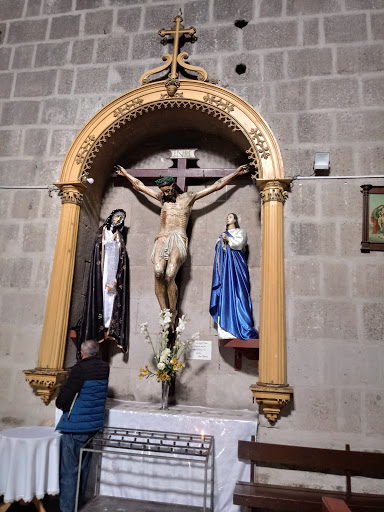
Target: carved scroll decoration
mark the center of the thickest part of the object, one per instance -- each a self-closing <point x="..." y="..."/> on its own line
<point x="209" y="108"/>
<point x="219" y="102"/>
<point x="260" y="143"/>
<point x="166" y="96"/>
<point x="202" y="75"/>
<point x="144" y="79"/>
<point x="127" y="107"/>
<point x="84" y="148"/>
<point x="253" y="156"/>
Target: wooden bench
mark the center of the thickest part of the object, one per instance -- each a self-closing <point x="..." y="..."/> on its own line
<point x="338" y="462"/>
<point x="334" y="505"/>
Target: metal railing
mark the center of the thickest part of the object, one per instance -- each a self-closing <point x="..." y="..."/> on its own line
<point x="153" y="444"/>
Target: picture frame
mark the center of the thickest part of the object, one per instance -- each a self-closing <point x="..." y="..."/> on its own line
<point x="373" y="218"/>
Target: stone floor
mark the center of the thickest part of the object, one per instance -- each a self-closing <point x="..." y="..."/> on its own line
<point x="107" y="504"/>
<point x="111" y="504"/>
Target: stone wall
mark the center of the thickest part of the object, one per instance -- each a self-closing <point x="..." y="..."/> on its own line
<point x="315" y="72"/>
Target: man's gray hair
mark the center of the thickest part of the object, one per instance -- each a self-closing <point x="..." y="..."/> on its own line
<point x="90" y="348"/>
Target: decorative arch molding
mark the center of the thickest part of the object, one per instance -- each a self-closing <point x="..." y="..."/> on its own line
<point x="236" y="115"/>
<point x="224" y="105"/>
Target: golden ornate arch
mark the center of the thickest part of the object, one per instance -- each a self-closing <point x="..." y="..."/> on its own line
<point x="211" y="99"/>
<point x="265" y="158"/>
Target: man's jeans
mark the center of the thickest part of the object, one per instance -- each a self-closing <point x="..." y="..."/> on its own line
<point x="70" y="447"/>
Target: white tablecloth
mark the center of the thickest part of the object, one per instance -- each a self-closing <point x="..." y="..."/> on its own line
<point x="174" y="483"/>
<point x="29" y="463"/>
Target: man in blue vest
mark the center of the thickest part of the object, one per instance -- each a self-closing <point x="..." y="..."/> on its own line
<point x="82" y="399"/>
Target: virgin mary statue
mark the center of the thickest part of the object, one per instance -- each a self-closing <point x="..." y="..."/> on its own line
<point x="231" y="305"/>
<point x="106" y="305"/>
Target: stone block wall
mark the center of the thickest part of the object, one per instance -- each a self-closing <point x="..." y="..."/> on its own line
<point x="314" y="70"/>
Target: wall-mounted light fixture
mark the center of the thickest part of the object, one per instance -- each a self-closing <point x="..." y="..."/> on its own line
<point x="84" y="178"/>
<point x="321" y="165"/>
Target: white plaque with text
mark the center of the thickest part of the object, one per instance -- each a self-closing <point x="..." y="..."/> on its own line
<point x="189" y="154"/>
<point x="200" y="350"/>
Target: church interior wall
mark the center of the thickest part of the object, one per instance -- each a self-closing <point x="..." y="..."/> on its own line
<point x="314" y="71"/>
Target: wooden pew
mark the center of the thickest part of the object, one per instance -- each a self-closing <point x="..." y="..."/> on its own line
<point x="289" y="498"/>
<point x="334" y="505"/>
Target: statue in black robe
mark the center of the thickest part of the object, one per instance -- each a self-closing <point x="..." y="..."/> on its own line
<point x="106" y="307"/>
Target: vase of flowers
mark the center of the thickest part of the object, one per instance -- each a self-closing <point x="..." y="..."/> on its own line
<point x="167" y="359"/>
<point x="165" y="385"/>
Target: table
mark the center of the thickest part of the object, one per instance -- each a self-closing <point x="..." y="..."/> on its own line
<point x="227" y="426"/>
<point x="29" y="464"/>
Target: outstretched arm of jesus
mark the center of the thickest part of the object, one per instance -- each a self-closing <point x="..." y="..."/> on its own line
<point x="219" y="184"/>
<point x="138" y="185"/>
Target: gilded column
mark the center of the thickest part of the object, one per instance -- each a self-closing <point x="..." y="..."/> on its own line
<point x="49" y="373"/>
<point x="272" y="391"/>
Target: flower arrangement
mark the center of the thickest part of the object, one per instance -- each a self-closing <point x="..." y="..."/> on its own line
<point x="167" y="359"/>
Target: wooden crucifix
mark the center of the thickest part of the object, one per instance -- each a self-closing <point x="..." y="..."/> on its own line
<point x="182" y="172"/>
<point x="170" y="249"/>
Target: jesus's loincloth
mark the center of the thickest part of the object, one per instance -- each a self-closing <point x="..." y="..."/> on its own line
<point x="166" y="243"/>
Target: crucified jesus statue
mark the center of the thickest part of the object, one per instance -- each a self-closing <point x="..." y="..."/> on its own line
<point x="170" y="250"/>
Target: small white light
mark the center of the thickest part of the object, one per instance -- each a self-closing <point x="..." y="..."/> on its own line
<point x="90" y="180"/>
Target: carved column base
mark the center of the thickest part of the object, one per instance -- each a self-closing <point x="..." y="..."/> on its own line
<point x="272" y="398"/>
<point x="45" y="381"/>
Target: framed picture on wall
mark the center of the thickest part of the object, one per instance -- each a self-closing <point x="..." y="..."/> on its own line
<point x="373" y="218"/>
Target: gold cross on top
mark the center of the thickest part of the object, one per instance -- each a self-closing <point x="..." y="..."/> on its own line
<point x="177" y="31"/>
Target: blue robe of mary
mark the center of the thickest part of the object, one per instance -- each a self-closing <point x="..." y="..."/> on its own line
<point x="231" y="305"/>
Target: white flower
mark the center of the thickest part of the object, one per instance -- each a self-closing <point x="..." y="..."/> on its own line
<point x="181" y="325"/>
<point x="143" y="327"/>
<point x="160" y="366"/>
<point x="164" y="356"/>
<point x="196" y="336"/>
<point x="165" y="318"/>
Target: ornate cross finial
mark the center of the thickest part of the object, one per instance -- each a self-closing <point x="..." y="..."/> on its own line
<point x="177" y="32"/>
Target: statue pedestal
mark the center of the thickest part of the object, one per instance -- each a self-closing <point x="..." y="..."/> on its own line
<point x="143" y="479"/>
<point x="246" y="348"/>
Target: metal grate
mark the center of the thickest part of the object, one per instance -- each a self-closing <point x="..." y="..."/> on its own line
<point x="187" y="446"/>
<point x="176" y="446"/>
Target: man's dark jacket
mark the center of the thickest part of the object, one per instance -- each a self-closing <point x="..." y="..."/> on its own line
<point x="88" y="379"/>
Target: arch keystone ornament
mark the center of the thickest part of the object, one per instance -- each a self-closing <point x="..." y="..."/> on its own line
<point x="236" y="121"/>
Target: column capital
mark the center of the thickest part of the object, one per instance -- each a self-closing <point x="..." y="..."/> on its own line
<point x="71" y="192"/>
<point x="274" y="190"/>
<point x="366" y="188"/>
